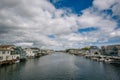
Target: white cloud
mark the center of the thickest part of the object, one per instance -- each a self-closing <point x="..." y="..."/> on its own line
<point x="90" y="18"/>
<point x="115" y="33"/>
<point x="103" y="4"/>
<point x="28" y="23"/>
<point x="24" y="44"/>
<point x="108" y="4"/>
<point x="116" y="9"/>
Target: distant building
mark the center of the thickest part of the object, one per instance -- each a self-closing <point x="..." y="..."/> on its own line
<point x="32" y="52"/>
<point x="112" y="50"/>
<point x="46" y="51"/>
<point x="72" y="51"/>
<point x="94" y="50"/>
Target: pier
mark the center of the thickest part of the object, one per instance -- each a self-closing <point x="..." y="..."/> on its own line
<point x="103" y="58"/>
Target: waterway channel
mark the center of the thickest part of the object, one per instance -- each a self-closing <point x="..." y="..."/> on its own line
<point x="60" y="66"/>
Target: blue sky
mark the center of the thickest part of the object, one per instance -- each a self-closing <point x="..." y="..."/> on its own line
<point x="59" y="24"/>
<point x="76" y="6"/>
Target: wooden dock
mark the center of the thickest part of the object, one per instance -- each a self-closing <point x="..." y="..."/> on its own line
<point x="107" y="59"/>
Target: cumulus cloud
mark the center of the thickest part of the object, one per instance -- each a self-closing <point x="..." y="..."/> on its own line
<point x="96" y="20"/>
<point x="103" y="4"/>
<point x="28" y="23"/>
<point x="116" y="9"/>
<point x="26" y="44"/>
<point x="107" y="5"/>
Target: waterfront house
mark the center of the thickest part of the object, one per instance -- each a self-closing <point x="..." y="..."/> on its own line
<point x="32" y="52"/>
<point x="48" y="51"/>
<point x="43" y="52"/>
<point x="111" y="50"/>
<point x="72" y="51"/>
<point x="80" y="52"/>
<point x="21" y="52"/>
<point x="7" y="54"/>
<point x="94" y="50"/>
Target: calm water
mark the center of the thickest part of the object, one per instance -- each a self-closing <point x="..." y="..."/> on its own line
<point x="60" y="66"/>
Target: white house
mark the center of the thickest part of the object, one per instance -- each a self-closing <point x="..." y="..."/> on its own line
<point x="31" y="52"/>
<point x="7" y="53"/>
<point x="94" y="50"/>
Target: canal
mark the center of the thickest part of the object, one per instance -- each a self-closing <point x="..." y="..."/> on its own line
<point x="60" y="66"/>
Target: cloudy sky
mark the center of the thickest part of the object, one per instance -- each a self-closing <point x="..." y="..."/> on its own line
<point x="59" y="24"/>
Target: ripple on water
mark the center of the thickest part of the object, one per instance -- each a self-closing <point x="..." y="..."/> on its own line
<point x="60" y="66"/>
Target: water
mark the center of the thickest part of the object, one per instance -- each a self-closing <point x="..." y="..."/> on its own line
<point x="60" y="66"/>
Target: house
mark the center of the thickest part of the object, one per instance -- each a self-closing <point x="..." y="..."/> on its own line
<point x="32" y="52"/>
<point x="7" y="54"/>
<point x="111" y="50"/>
<point x="94" y="50"/>
<point x="72" y="51"/>
<point x="21" y="52"/>
<point x="47" y="51"/>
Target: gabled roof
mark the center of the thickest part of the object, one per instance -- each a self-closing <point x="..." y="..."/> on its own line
<point x="6" y="47"/>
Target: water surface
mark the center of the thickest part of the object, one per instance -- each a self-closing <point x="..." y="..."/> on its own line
<point x="60" y="66"/>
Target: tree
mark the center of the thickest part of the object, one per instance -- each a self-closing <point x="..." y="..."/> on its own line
<point x="85" y="48"/>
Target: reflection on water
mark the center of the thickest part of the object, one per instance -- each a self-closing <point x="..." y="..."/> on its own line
<point x="60" y="66"/>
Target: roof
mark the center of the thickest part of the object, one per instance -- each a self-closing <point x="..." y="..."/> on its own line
<point x="31" y="49"/>
<point x="6" y="47"/>
<point x="35" y="48"/>
<point x="111" y="47"/>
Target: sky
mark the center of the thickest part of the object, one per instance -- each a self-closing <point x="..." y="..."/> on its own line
<point x="59" y="24"/>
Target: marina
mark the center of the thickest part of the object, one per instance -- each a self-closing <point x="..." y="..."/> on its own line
<point x="59" y="39"/>
<point x="107" y="59"/>
<point x="60" y="66"/>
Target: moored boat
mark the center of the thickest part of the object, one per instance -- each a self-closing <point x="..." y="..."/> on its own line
<point x="17" y="61"/>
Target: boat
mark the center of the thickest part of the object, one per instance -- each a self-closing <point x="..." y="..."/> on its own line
<point x="108" y="60"/>
<point x="17" y="61"/>
<point x="101" y="59"/>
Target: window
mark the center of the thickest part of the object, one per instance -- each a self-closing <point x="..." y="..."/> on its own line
<point x="1" y="57"/>
<point x="8" y="52"/>
<point x="3" y="52"/>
